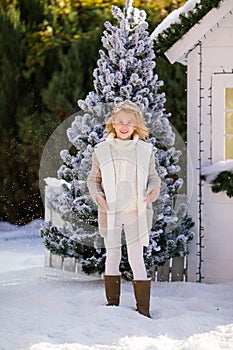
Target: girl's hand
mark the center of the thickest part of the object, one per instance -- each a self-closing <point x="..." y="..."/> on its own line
<point x="101" y="201"/>
<point x="152" y="196"/>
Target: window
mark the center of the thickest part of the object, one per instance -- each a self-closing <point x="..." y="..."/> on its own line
<point x="222" y="117"/>
<point x="228" y="123"/>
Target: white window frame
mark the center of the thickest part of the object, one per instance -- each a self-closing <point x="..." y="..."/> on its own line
<point x="219" y="83"/>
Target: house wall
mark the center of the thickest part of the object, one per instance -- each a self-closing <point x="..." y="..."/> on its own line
<point x="193" y="154"/>
<point x="214" y="218"/>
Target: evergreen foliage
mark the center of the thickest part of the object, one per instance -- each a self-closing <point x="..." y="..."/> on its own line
<point x="223" y="183"/>
<point x="220" y="176"/>
<point x="186" y="21"/>
<point x="125" y="70"/>
<point x="38" y="40"/>
<point x="176" y="100"/>
<point x="43" y="45"/>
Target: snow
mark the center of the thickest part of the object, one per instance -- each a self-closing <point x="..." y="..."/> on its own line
<point x="173" y="17"/>
<point x="49" y="309"/>
<point x="212" y="171"/>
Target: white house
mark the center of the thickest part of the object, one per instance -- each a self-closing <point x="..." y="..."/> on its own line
<point x="207" y="50"/>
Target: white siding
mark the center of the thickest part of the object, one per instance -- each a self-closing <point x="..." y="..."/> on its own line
<point x="218" y="237"/>
<point x="193" y="153"/>
<point x="217" y="210"/>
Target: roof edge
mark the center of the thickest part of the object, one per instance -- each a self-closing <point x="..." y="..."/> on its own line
<point x="181" y="22"/>
<point x="179" y="50"/>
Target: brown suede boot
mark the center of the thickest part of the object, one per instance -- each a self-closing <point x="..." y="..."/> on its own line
<point x="142" y="296"/>
<point x="112" y="289"/>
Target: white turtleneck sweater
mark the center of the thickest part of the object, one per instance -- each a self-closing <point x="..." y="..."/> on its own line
<point x="124" y="159"/>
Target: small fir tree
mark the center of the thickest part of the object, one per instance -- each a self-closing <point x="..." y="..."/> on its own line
<point x="125" y="71"/>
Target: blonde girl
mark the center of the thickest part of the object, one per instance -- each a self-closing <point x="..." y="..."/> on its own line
<point x="123" y="182"/>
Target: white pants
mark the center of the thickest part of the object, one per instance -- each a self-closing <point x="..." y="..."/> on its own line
<point x="128" y="223"/>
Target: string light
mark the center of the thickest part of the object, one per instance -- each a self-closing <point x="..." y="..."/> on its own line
<point x="200" y="185"/>
<point x="223" y="182"/>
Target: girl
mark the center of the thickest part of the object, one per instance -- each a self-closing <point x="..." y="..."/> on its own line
<point x="123" y="182"/>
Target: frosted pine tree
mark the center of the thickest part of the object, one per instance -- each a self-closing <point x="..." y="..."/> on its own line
<point x="125" y="70"/>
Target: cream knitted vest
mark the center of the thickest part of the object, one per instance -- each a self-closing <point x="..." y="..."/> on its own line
<point x="124" y="158"/>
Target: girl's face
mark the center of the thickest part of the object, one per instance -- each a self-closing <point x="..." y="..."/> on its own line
<point x="124" y="125"/>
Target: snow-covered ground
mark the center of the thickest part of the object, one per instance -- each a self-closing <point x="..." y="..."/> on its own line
<point x="48" y="309"/>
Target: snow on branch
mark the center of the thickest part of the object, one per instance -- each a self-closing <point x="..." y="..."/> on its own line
<point x="210" y="172"/>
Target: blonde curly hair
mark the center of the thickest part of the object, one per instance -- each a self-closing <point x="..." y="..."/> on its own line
<point x="129" y="107"/>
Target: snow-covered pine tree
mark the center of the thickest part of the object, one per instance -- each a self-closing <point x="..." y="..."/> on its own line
<point x="125" y="71"/>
